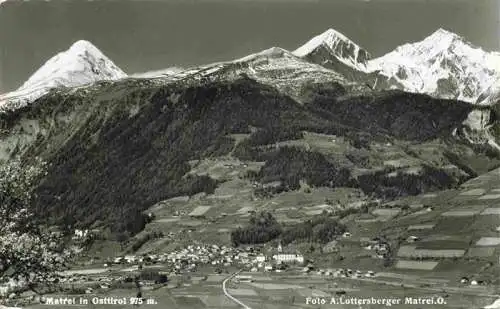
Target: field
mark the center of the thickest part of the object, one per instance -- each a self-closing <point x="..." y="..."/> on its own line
<point x="459" y="213"/>
<point x="480" y="252"/>
<point x="474" y="192"/>
<point x="199" y="211"/>
<point x="456" y="237"/>
<point x="421" y="227"/>
<point x="290" y="290"/>
<point x="488" y="241"/>
<point x="416" y="265"/>
<point x="490" y="197"/>
<point x="444" y="245"/>
<point x="413" y="252"/>
<point x="491" y="211"/>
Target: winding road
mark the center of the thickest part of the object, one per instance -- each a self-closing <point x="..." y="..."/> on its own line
<point x="224" y="289"/>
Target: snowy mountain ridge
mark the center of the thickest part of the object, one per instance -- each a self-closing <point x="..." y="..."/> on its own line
<point x="274" y="66"/>
<point x="158" y="73"/>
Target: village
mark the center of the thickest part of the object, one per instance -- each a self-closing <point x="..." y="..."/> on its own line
<point x="194" y="253"/>
<point x="206" y="259"/>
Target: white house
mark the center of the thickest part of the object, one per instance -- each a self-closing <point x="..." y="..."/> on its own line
<point x="81" y="233"/>
<point x="346" y="235"/>
<point x="130" y="258"/>
<point x="412" y="239"/>
<point x="288" y="258"/>
<point x="4" y="290"/>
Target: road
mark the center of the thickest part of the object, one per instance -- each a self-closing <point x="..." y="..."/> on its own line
<point x="224" y="289"/>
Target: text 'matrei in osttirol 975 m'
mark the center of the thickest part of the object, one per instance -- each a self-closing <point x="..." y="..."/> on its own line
<point x="109" y="300"/>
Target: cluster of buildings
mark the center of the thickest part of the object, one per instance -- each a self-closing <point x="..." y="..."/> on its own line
<point x="380" y="247"/>
<point x="189" y="258"/>
<point x="339" y="273"/>
<point x="81" y="235"/>
<point x="473" y="282"/>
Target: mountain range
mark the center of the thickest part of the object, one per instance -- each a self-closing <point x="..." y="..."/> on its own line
<point x="443" y="65"/>
<point x="324" y="115"/>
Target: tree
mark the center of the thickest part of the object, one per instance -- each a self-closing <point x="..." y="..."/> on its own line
<point x="28" y="254"/>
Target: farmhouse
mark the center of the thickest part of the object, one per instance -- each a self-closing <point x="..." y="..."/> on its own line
<point x="118" y="260"/>
<point x="130" y="258"/>
<point x="412" y="239"/>
<point x="4" y="290"/>
<point x="80" y="233"/>
<point x="260" y="258"/>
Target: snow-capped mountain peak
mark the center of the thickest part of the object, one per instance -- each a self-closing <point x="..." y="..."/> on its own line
<point x="442" y="34"/>
<point x="337" y="45"/>
<point x="329" y="38"/>
<point x="443" y="65"/>
<point x="439" y="41"/>
<point x="82" y="64"/>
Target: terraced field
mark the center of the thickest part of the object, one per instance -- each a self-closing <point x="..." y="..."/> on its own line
<point x="463" y="224"/>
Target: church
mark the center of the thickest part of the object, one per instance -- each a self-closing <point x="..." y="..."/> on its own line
<point x="286" y="257"/>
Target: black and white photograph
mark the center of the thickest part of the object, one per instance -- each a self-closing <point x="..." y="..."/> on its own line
<point x="250" y="154"/>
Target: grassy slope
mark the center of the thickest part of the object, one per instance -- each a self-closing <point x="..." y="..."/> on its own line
<point x="120" y="148"/>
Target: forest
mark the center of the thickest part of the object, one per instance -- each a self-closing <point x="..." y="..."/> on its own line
<point x="263" y="227"/>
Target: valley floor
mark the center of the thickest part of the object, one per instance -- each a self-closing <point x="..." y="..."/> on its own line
<point x="440" y="238"/>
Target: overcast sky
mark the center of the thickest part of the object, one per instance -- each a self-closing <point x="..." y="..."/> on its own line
<point x="147" y="35"/>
